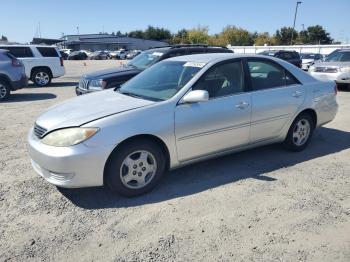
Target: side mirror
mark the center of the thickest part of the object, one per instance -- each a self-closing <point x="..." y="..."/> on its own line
<point x="196" y="96"/>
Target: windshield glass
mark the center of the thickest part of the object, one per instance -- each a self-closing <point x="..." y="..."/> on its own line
<point x="145" y="59"/>
<point x="339" y="57"/>
<point x="308" y="56"/>
<point x="161" y="81"/>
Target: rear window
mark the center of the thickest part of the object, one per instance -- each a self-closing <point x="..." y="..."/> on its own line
<point x="48" y="51"/>
<point x="18" y="52"/>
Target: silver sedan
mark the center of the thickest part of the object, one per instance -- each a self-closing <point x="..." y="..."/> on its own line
<point x="179" y="111"/>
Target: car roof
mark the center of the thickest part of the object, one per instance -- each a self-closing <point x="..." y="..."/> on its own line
<point x="213" y="57"/>
<point x="23" y="45"/>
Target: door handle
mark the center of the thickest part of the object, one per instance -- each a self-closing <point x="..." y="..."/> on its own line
<point x="297" y="94"/>
<point x="242" y="105"/>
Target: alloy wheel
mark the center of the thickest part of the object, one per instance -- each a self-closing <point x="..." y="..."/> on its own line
<point x="42" y="78"/>
<point x="3" y="91"/>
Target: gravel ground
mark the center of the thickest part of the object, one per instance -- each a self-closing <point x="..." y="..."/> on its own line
<point x="265" y="204"/>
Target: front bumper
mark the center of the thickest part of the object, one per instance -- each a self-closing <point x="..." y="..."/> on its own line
<point x="305" y="66"/>
<point x="71" y="167"/>
<point x="339" y="77"/>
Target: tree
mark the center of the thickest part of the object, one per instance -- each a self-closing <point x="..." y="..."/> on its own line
<point x="136" y="34"/>
<point x="156" y="33"/>
<point x="4" y="38"/>
<point x="318" y="35"/>
<point x="303" y="37"/>
<point x="263" y="39"/>
<point x="284" y="36"/>
<point x="235" y="36"/>
<point x="181" y="37"/>
<point x="198" y="35"/>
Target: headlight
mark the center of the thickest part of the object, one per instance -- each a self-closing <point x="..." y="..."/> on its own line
<point x="97" y="84"/>
<point x="69" y="136"/>
<point x="312" y="69"/>
<point x="345" y="69"/>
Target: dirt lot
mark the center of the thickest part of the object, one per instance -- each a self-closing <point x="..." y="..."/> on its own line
<point x="265" y="204"/>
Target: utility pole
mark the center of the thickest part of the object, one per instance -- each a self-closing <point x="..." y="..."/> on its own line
<point x="295" y="18"/>
<point x="78" y="30"/>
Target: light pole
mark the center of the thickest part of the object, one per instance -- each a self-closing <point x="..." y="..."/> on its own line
<point x="295" y="18"/>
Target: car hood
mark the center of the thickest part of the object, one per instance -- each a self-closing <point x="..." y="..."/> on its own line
<point x="332" y="64"/>
<point x="112" y="71"/>
<point x="86" y="108"/>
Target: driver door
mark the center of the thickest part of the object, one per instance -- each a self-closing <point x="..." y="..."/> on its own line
<point x="222" y="122"/>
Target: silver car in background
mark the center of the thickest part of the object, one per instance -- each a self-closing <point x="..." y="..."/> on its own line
<point x="179" y="111"/>
<point x="336" y="67"/>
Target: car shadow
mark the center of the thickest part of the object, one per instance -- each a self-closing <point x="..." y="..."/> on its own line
<point x="54" y="84"/>
<point x="25" y="97"/>
<point x="250" y="164"/>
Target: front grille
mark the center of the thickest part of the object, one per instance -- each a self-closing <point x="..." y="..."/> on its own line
<point x="39" y="131"/>
<point x="326" y="69"/>
<point x="83" y="83"/>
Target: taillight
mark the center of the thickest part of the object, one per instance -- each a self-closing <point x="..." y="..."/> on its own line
<point x="16" y="62"/>
<point x="335" y="89"/>
<point x="61" y="60"/>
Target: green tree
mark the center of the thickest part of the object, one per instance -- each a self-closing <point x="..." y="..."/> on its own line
<point x="136" y="34"/>
<point x="181" y="37"/>
<point x="303" y="37"/>
<point x="235" y="36"/>
<point x="198" y="35"/>
<point x="264" y="39"/>
<point x="318" y="35"/>
<point x="156" y="33"/>
<point x="283" y="36"/>
<point x="3" y="38"/>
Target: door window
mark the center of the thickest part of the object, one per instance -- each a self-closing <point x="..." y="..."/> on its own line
<point x="265" y="75"/>
<point x="19" y="52"/>
<point x="222" y="80"/>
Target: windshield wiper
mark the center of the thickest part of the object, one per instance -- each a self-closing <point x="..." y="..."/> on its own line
<point x="138" y="96"/>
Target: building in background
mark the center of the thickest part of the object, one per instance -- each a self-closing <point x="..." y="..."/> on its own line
<point x="94" y="42"/>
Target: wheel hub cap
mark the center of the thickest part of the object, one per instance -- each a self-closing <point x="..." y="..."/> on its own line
<point x="138" y="169"/>
<point x="301" y="132"/>
<point x="3" y="91"/>
<point x="42" y="78"/>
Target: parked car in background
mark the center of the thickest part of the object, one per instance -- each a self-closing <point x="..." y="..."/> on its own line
<point x="133" y="54"/>
<point x="292" y="57"/>
<point x="114" y="77"/>
<point x="98" y="55"/>
<point x="41" y="63"/>
<point x="12" y="74"/>
<point x="308" y="59"/>
<point x="335" y="67"/>
<point x="64" y="55"/>
<point x="177" y="112"/>
<point x="77" y="55"/>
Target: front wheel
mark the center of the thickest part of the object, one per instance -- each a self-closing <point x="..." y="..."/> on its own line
<point x="41" y="77"/>
<point x="300" y="133"/>
<point x="135" y="168"/>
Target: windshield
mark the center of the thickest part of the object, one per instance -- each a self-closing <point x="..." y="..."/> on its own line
<point x="161" y="81"/>
<point x="145" y="59"/>
<point x="308" y="56"/>
<point x="339" y="57"/>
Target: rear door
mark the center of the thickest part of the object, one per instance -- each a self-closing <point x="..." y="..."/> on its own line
<point x="50" y="57"/>
<point x="276" y="97"/>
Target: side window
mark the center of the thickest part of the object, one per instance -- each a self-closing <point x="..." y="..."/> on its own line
<point x="265" y="75"/>
<point x="222" y="80"/>
<point x="20" y="52"/>
<point x="47" y="51"/>
<point x="287" y="56"/>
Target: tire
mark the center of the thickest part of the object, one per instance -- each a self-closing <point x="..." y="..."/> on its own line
<point x="135" y="168"/>
<point x="300" y="133"/>
<point x="4" y="90"/>
<point x="41" y="77"/>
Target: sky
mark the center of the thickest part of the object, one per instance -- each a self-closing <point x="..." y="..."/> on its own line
<point x="19" y="19"/>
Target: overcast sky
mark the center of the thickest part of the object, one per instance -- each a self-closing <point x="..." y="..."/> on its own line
<point x="20" y="18"/>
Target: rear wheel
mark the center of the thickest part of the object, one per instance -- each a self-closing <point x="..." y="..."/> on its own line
<point x="135" y="168"/>
<point x="4" y="90"/>
<point x="41" y="77"/>
<point x="300" y="133"/>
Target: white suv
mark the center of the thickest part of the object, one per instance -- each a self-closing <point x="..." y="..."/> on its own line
<point x="42" y="63"/>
